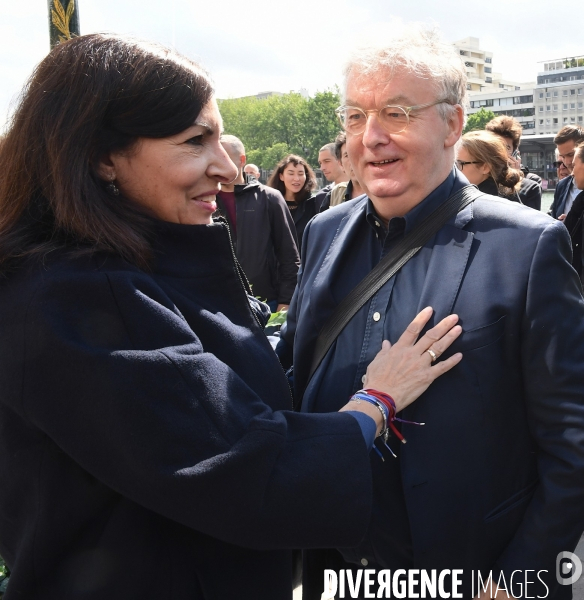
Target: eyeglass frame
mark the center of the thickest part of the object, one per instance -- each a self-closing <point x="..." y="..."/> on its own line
<point x="559" y="163"/>
<point x="407" y="110"/>
<point x="467" y="162"/>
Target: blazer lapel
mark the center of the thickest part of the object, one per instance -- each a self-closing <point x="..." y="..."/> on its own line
<point x="332" y="264"/>
<point x="450" y="255"/>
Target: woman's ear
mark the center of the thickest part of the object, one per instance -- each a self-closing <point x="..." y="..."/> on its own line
<point x="105" y="168"/>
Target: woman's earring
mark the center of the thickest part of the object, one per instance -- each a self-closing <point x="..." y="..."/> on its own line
<point x="112" y="188"/>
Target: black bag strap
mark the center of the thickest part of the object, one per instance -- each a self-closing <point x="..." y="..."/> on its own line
<point x="387" y="267"/>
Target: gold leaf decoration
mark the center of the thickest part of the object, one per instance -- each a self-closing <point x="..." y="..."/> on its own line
<point x="61" y="19"/>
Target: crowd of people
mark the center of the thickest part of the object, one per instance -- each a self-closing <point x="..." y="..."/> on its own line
<point x="154" y="442"/>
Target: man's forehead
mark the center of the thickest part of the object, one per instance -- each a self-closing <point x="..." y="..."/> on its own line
<point x="391" y="87"/>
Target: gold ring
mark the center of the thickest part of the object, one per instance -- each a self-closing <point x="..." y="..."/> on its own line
<point x="432" y="354"/>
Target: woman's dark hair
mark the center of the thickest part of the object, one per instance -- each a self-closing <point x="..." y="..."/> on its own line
<point x="90" y="96"/>
<point x="309" y="185"/>
<point x="488" y="148"/>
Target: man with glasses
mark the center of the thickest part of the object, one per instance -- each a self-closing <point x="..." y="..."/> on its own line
<point x="566" y="191"/>
<point x="494" y="480"/>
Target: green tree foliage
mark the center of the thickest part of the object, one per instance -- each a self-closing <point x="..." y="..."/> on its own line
<point x="478" y="120"/>
<point x="281" y="125"/>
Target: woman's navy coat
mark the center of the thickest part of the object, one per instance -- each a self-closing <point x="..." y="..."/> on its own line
<point x="146" y="447"/>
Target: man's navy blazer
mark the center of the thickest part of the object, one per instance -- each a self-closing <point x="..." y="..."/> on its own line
<point x="496" y="477"/>
<point x="558" y="206"/>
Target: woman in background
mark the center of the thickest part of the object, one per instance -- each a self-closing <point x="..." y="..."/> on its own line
<point x="296" y="180"/>
<point x="482" y="157"/>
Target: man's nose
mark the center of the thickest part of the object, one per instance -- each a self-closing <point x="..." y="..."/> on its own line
<point x="374" y="132"/>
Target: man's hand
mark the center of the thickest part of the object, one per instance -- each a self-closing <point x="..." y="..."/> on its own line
<point x="561" y="217"/>
<point x="283" y="307"/>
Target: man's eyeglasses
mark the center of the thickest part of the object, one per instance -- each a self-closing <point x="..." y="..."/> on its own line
<point x="460" y="163"/>
<point x="394" y="119"/>
<point x="558" y="164"/>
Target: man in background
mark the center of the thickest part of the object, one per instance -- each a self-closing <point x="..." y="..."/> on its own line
<point x="332" y="169"/>
<point x="345" y="190"/>
<point x="262" y="231"/>
<point x="566" y="191"/>
<point x="252" y="170"/>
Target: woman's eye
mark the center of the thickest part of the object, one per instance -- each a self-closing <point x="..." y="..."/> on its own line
<point x="195" y="141"/>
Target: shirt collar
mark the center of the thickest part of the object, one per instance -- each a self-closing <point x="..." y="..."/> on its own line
<point x="452" y="183"/>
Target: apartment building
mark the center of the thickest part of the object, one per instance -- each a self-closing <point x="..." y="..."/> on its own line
<point x="479" y="67"/>
<point x="559" y="95"/>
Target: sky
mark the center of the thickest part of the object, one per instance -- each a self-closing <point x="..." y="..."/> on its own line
<point x="263" y="45"/>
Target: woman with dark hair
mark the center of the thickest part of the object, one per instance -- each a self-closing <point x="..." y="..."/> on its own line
<point x="483" y="159"/>
<point x="146" y="446"/>
<point x="296" y="180"/>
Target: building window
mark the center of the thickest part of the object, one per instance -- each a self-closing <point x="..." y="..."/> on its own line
<point x="572" y="119"/>
<point x="580" y="105"/>
<point x="572" y="105"/>
<point x="489" y="79"/>
<point x="555" y="107"/>
<point x="548" y="94"/>
<point x="564" y="92"/>
<point x="579" y="119"/>
<point x="469" y="64"/>
<point x="555" y="93"/>
<point x="565" y="119"/>
<point x="572" y="92"/>
<point x="488" y="59"/>
<point x="468" y="86"/>
<point x="579" y="91"/>
<point x="488" y="70"/>
<point x="540" y="94"/>
<point x="541" y="109"/>
<point x="541" y="121"/>
<point x="548" y="107"/>
<point x="564" y="107"/>
<point x="547" y="121"/>
<point x="555" y="121"/>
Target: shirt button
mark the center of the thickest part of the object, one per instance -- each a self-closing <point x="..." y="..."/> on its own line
<point x="376" y="225"/>
<point x="376" y="316"/>
<point x="364" y="562"/>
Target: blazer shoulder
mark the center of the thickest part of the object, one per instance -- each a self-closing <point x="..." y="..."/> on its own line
<point x="501" y="212"/>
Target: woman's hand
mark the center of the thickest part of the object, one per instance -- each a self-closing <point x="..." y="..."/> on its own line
<point x="405" y="370"/>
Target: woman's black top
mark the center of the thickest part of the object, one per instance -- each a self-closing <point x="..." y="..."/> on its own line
<point x="147" y="446"/>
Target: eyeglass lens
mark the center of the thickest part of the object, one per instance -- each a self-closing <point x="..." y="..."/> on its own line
<point x="394" y="119"/>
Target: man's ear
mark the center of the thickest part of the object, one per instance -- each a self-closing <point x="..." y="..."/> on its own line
<point x="105" y="168"/>
<point x="455" y="124"/>
<point x="242" y="161"/>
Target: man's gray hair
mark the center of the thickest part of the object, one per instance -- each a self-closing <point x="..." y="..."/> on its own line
<point x="235" y="143"/>
<point x="330" y="147"/>
<point x="417" y="49"/>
